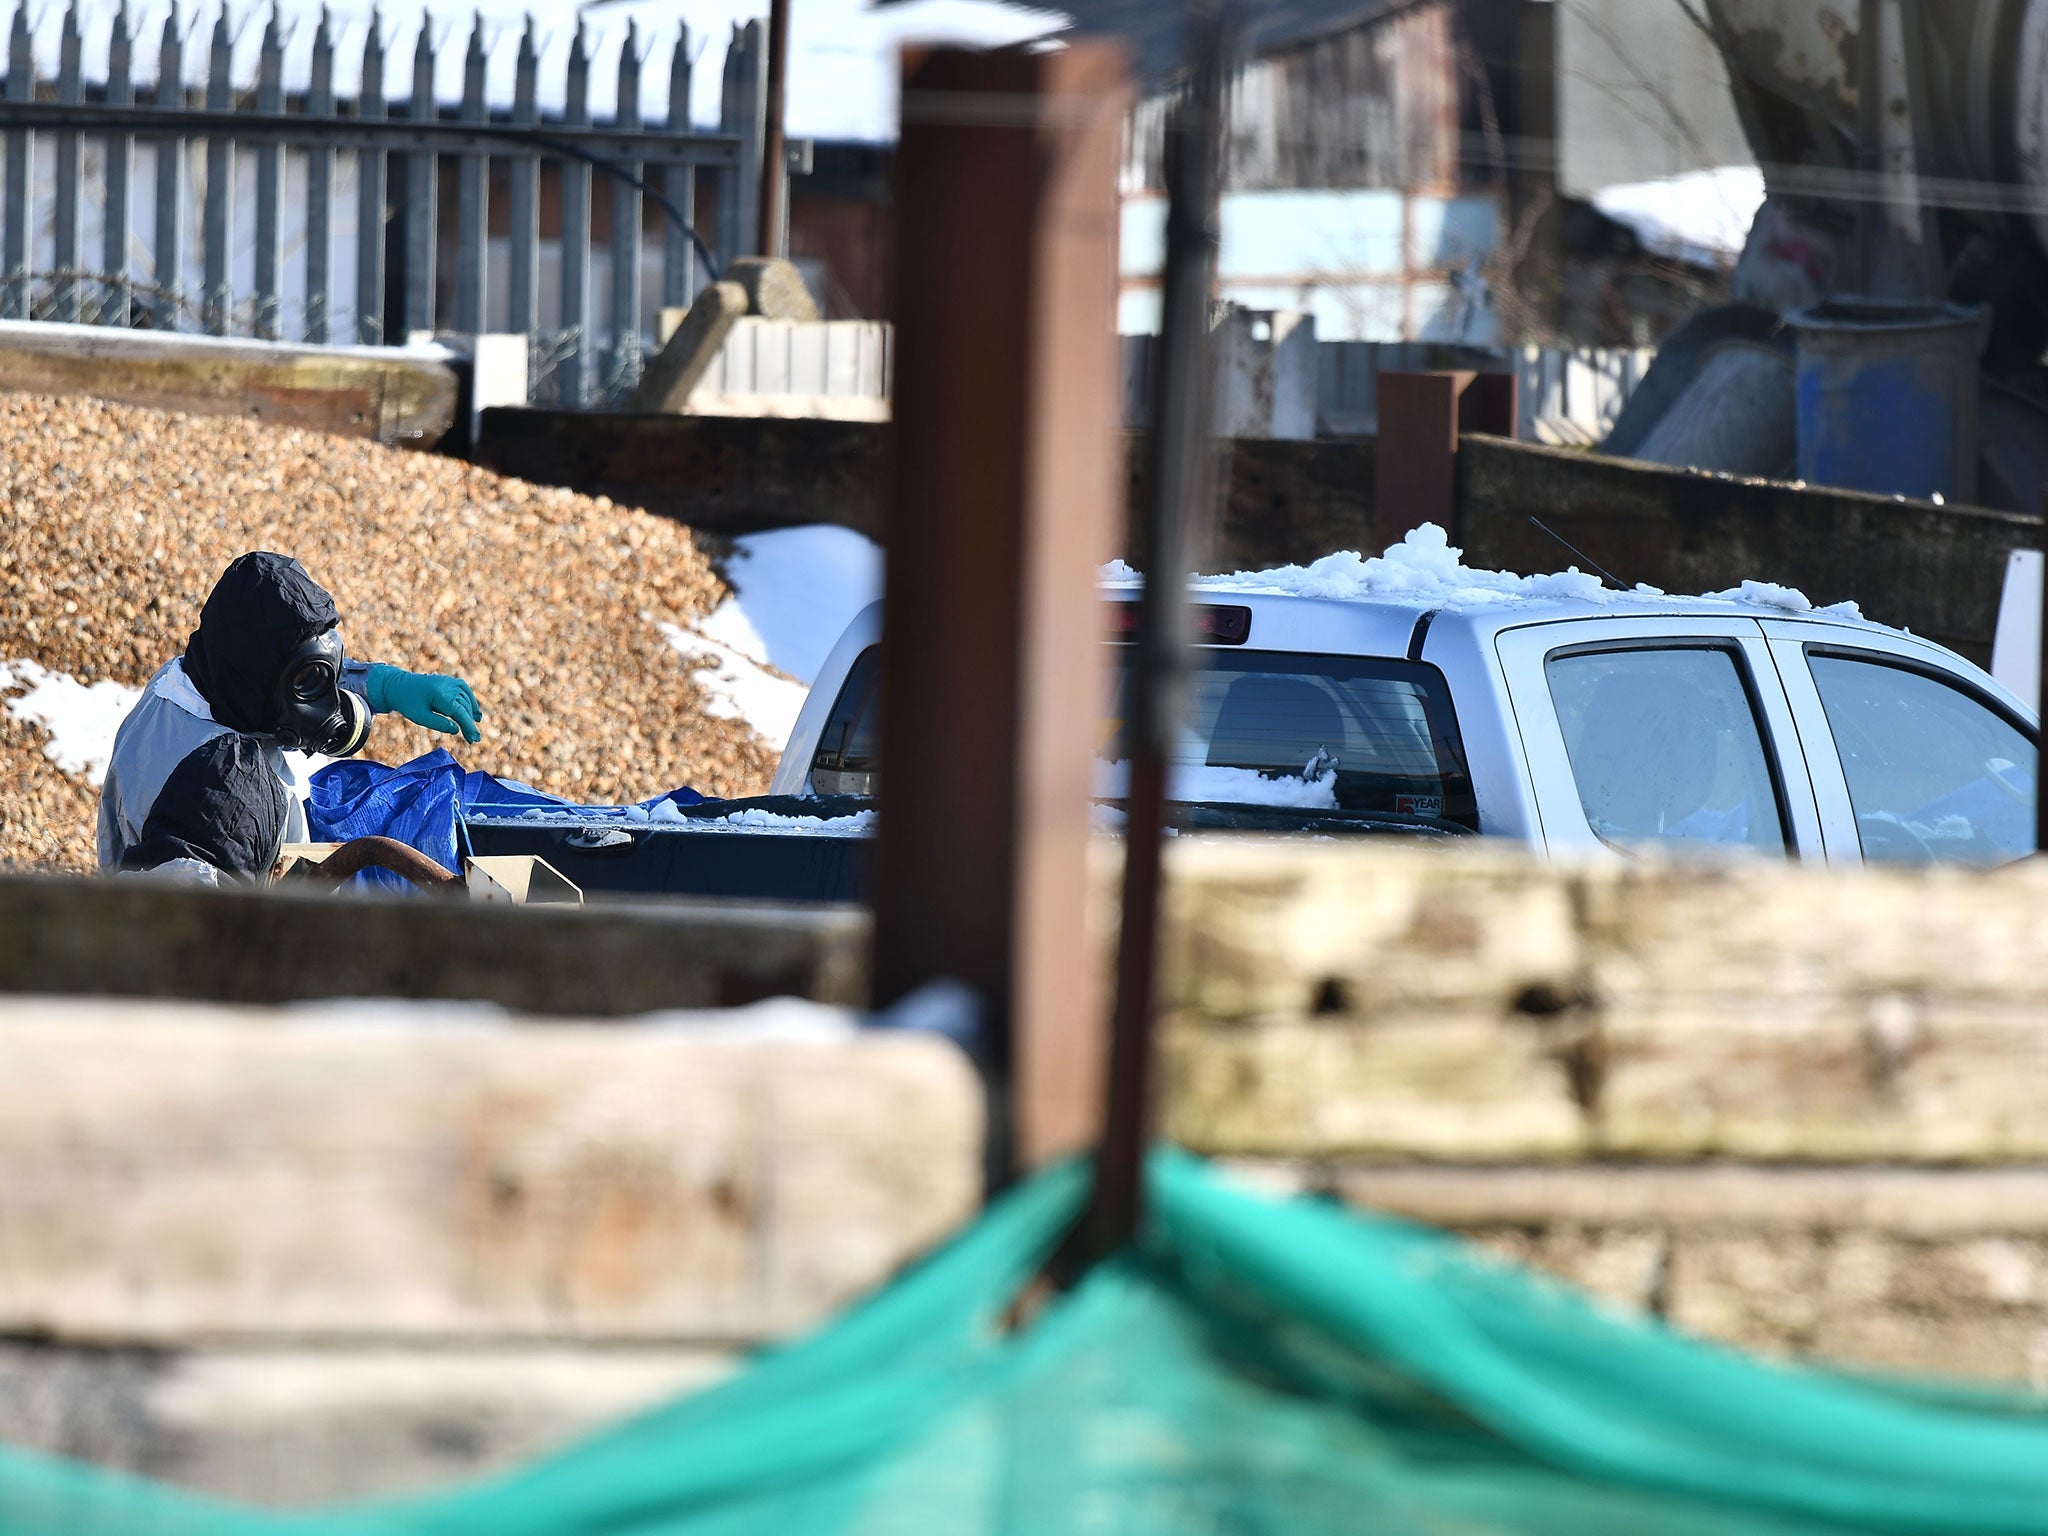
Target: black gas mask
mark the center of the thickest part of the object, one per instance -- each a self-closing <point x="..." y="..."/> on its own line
<point x="314" y="713"/>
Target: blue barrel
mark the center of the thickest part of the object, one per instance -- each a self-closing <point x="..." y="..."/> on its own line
<point x="1887" y="397"/>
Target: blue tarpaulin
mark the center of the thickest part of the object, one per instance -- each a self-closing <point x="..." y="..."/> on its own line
<point x="423" y="804"/>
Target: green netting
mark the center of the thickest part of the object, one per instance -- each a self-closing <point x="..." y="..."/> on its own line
<point x="1260" y="1366"/>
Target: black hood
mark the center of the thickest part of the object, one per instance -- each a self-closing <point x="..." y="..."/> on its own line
<point x="221" y="805"/>
<point x="261" y="610"/>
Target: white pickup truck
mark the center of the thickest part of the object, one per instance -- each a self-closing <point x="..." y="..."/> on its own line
<point x="1580" y="721"/>
<point x="1410" y="694"/>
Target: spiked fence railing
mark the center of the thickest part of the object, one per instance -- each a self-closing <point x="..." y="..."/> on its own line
<point x="404" y="277"/>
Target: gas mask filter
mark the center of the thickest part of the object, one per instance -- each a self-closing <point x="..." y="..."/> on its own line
<point x="314" y="713"/>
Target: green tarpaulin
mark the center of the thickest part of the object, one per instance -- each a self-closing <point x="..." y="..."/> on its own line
<point x="1260" y="1366"/>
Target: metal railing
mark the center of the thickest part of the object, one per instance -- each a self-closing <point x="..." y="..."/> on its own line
<point x="387" y="277"/>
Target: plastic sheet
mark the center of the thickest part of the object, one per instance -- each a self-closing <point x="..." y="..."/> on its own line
<point x="422" y="804"/>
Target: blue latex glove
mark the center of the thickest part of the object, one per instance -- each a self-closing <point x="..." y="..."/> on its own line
<point x="444" y="704"/>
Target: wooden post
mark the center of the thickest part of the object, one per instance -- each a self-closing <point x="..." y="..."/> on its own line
<point x="1004" y="498"/>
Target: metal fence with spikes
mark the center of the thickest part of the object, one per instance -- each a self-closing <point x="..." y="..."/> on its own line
<point x="320" y="218"/>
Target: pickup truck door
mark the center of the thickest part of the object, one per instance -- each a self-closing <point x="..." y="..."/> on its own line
<point x="1696" y="670"/>
<point x="1935" y="711"/>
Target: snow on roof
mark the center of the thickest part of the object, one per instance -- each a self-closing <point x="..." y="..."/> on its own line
<point x="842" y="54"/>
<point x="1702" y="217"/>
<point x="1425" y="570"/>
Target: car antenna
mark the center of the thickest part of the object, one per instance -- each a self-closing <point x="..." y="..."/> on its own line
<point x="1606" y="575"/>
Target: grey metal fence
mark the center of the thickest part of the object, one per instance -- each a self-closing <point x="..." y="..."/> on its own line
<point x="356" y="184"/>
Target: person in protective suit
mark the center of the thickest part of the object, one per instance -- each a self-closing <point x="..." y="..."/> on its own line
<point x="208" y="777"/>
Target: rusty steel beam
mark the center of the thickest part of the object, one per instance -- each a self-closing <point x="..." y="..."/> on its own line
<point x="1421" y="417"/>
<point x="1183" y="485"/>
<point x="1004" y="497"/>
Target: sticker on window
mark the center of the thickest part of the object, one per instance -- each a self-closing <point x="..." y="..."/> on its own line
<point x="1418" y="805"/>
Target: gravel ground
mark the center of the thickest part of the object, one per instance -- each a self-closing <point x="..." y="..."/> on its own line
<point x="116" y="520"/>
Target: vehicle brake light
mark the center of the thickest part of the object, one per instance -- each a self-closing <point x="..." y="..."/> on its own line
<point x="1213" y="623"/>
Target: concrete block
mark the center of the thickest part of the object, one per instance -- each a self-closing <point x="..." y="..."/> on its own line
<point x="688" y="353"/>
<point x="1266" y="374"/>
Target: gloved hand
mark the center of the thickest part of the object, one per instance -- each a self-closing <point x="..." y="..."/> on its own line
<point x="444" y="704"/>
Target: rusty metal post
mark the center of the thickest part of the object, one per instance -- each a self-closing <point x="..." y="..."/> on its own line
<point x="1004" y="497"/>
<point x="1182" y="464"/>
<point x="1421" y="417"/>
<point x="769" y="237"/>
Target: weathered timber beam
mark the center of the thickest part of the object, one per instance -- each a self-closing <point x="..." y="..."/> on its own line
<point x="1918" y="1203"/>
<point x="141" y="938"/>
<point x="392" y="394"/>
<point x="391" y="1171"/>
<point x="1387" y="1003"/>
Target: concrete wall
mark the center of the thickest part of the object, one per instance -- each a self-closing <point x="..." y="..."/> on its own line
<point x="1793" y="1110"/>
<point x="342" y="1249"/>
<point x="1935" y="569"/>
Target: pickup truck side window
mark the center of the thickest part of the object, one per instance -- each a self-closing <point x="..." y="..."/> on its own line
<point x="1665" y="747"/>
<point x="1935" y="774"/>
<point x="844" y="763"/>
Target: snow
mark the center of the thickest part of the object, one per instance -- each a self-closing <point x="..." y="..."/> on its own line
<point x="794" y="592"/>
<point x="81" y="718"/>
<point x="860" y="824"/>
<point x="1702" y="217"/>
<point x="1225" y="786"/>
<point x="798" y="589"/>
<point x="665" y="814"/>
<point x="1768" y="594"/>
<point x="842" y="54"/>
<point x="1426" y="571"/>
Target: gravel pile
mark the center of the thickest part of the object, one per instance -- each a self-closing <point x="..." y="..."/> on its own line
<point x="116" y="520"/>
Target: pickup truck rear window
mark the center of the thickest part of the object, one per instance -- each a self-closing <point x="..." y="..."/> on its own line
<point x="1263" y="728"/>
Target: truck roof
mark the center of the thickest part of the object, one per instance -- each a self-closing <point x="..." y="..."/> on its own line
<point x="1371" y="606"/>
